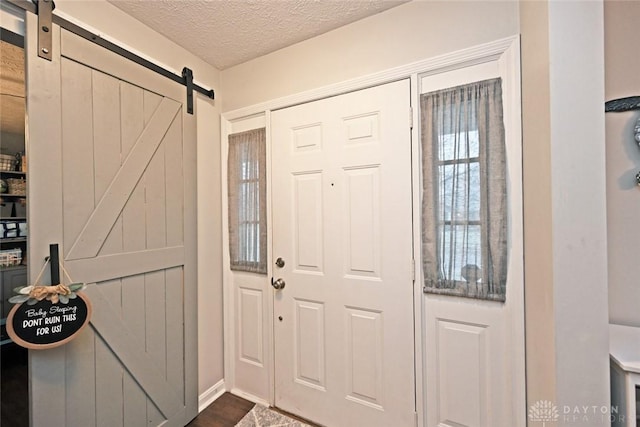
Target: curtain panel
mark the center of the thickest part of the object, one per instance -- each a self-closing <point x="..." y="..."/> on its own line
<point x="247" y="192"/>
<point x="464" y="191"/>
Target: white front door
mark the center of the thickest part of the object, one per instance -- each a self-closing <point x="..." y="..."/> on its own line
<point x="341" y="192"/>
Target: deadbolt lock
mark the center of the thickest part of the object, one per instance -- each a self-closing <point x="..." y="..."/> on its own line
<point x="280" y="262"/>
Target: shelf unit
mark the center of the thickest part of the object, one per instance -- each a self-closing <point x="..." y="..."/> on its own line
<point x="9" y="240"/>
<point x="12" y="208"/>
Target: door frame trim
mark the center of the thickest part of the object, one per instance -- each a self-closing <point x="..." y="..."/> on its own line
<point x="487" y="52"/>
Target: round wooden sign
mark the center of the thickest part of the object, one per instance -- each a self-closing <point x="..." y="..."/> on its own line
<point x="45" y="325"/>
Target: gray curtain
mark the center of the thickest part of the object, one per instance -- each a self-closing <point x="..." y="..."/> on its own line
<point x="247" y="189"/>
<point x="464" y="194"/>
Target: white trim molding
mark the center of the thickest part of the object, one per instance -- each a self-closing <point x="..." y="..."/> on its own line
<point x="250" y="397"/>
<point x="211" y="395"/>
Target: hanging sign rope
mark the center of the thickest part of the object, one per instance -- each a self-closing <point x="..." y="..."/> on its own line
<point x="48" y="316"/>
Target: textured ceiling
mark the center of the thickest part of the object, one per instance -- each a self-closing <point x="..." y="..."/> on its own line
<point x="228" y="32"/>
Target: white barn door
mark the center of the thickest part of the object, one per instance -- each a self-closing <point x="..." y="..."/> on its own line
<point x="112" y="180"/>
<point x="341" y="193"/>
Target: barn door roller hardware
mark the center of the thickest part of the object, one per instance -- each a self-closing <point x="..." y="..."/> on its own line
<point x="44" y="8"/>
<point x="187" y="75"/>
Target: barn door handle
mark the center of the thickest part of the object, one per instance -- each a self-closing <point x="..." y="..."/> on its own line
<point x="278" y="284"/>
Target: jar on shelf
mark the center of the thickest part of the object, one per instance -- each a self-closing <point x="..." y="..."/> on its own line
<point x="21" y="161"/>
<point x="7" y="162"/>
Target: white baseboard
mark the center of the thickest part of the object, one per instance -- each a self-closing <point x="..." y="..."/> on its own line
<point x="209" y="396"/>
<point x="249" y="397"/>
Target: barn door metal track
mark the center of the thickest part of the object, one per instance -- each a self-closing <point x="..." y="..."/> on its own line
<point x="45" y="17"/>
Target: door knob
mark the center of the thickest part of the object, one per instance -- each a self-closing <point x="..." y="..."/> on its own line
<point x="278" y="284"/>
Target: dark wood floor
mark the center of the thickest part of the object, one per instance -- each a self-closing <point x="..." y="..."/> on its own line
<point x="226" y="411"/>
<point x="14" y="389"/>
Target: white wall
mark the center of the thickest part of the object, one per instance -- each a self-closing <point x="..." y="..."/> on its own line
<point x="579" y="204"/>
<point x="565" y="205"/>
<point x="622" y="79"/>
<point x="210" y="298"/>
<point x="538" y="221"/>
<point x="113" y="24"/>
<point x="404" y="34"/>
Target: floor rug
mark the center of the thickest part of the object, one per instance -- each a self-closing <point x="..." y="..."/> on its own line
<point x="261" y="416"/>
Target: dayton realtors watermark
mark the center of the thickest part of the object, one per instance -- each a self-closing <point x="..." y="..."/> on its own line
<point x="545" y="411"/>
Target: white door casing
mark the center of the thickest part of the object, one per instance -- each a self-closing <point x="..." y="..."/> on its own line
<point x="112" y="180"/>
<point x="341" y="209"/>
<point x="474" y="349"/>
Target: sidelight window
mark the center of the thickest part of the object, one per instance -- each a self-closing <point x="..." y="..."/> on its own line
<point x="247" y="201"/>
<point x="464" y="222"/>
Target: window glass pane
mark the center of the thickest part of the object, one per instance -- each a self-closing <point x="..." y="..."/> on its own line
<point x="247" y="200"/>
<point x="459" y="192"/>
<point x="452" y="146"/>
<point x="461" y="252"/>
<point x="464" y="217"/>
<point x="246" y="166"/>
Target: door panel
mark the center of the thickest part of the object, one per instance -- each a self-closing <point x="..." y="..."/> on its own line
<point x="474" y="349"/>
<point x="342" y="223"/>
<point x="250" y="343"/>
<point x="123" y="198"/>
